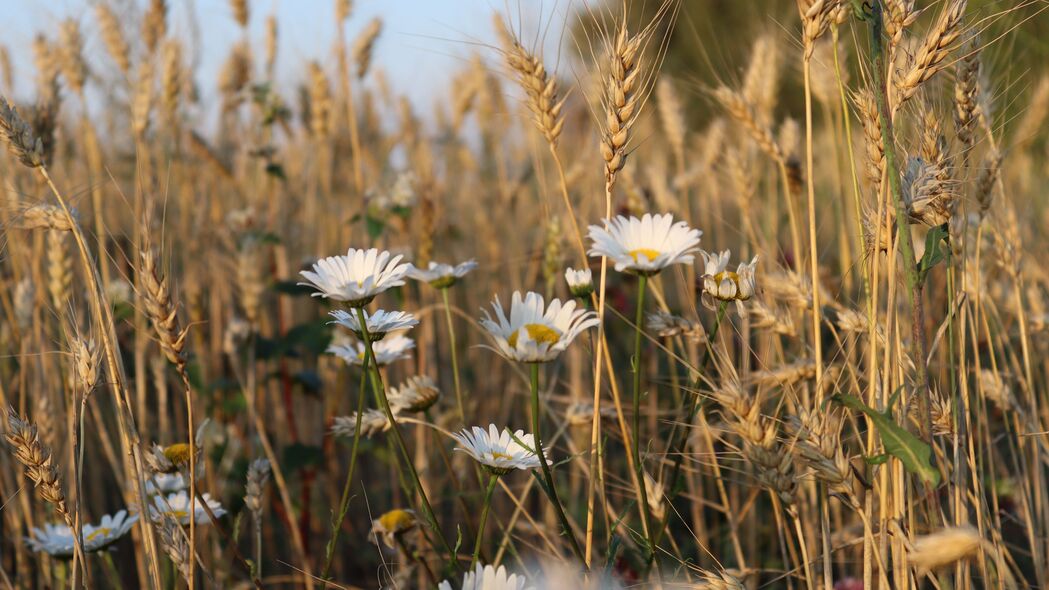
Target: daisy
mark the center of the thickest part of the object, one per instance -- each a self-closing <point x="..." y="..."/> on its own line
<point x="416" y="394"/>
<point x="57" y="540"/>
<point x="647" y="245"/>
<point x="499" y="452"/>
<point x="357" y="277"/>
<point x="372" y="422"/>
<point x="176" y="506"/>
<point x="379" y="323"/>
<point x="724" y="285"/>
<point x="166" y="483"/>
<point x="386" y="351"/>
<point x="172" y="458"/>
<point x="489" y="578"/>
<point x="580" y="282"/>
<point x="393" y="524"/>
<point x="532" y="335"/>
<point x="439" y="275"/>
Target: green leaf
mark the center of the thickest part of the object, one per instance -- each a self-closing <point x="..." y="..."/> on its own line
<point x="375" y="226"/>
<point x="877" y="459"/>
<point x="935" y="252"/>
<point x="913" y="452"/>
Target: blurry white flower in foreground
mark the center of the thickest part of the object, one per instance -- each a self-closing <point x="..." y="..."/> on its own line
<point x="489" y="578"/>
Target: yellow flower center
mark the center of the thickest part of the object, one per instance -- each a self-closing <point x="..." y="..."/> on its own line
<point x="498" y="455"/>
<point x="396" y="521"/>
<point x="648" y="253"/>
<point x="538" y="333"/>
<point x="178" y="453"/>
<point x="98" y="533"/>
<point x="726" y="274"/>
<point x="177" y="514"/>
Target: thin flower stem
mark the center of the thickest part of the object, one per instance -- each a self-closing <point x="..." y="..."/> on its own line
<point x="455" y="356"/>
<point x="638" y="465"/>
<point x="678" y="449"/>
<point x="910" y="270"/>
<point x="551" y="489"/>
<point x="492" y="480"/>
<point x="237" y="557"/>
<point x="344" y="502"/>
<point x="113" y="574"/>
<point x="399" y="440"/>
<point x="418" y="559"/>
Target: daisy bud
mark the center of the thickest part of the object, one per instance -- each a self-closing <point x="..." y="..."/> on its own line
<point x="580" y="282"/>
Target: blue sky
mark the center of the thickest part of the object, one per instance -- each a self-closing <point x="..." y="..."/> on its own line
<point x="421" y="39"/>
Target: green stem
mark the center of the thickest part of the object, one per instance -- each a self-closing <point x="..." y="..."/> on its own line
<point x="551" y="489"/>
<point x="638" y="466"/>
<point x="344" y="503"/>
<point x="111" y="570"/>
<point x="455" y="356"/>
<point x="492" y="480"/>
<point x="910" y="270"/>
<point x="399" y="440"/>
<point x="679" y="449"/>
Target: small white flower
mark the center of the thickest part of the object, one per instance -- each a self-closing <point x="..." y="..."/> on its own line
<point x="357" y="277"/>
<point x="414" y="395"/>
<point x="166" y="483"/>
<point x="646" y="245"/>
<point x="535" y="333"/>
<point x="176" y="506"/>
<point x="580" y="282"/>
<point x="489" y="578"/>
<point x="393" y="524"/>
<point x="379" y="323"/>
<point x="499" y="452"/>
<point x="668" y="325"/>
<point x="372" y="423"/>
<point x="387" y="350"/>
<point x="724" y="285"/>
<point x="57" y="540"/>
<point x="441" y="275"/>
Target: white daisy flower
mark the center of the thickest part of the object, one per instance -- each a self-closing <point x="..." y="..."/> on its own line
<point x="499" y="452"/>
<point x="57" y="540"/>
<point x="489" y="578"/>
<point x="646" y="245"/>
<point x="379" y="323"/>
<point x="394" y="523"/>
<point x="357" y="277"/>
<point x="166" y="483"/>
<point x="440" y="275"/>
<point x="414" y="395"/>
<point x="387" y="350"/>
<point x="580" y="282"/>
<point x="176" y="506"/>
<point x="535" y="333"/>
<point x="372" y="422"/>
<point x="725" y="285"/>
